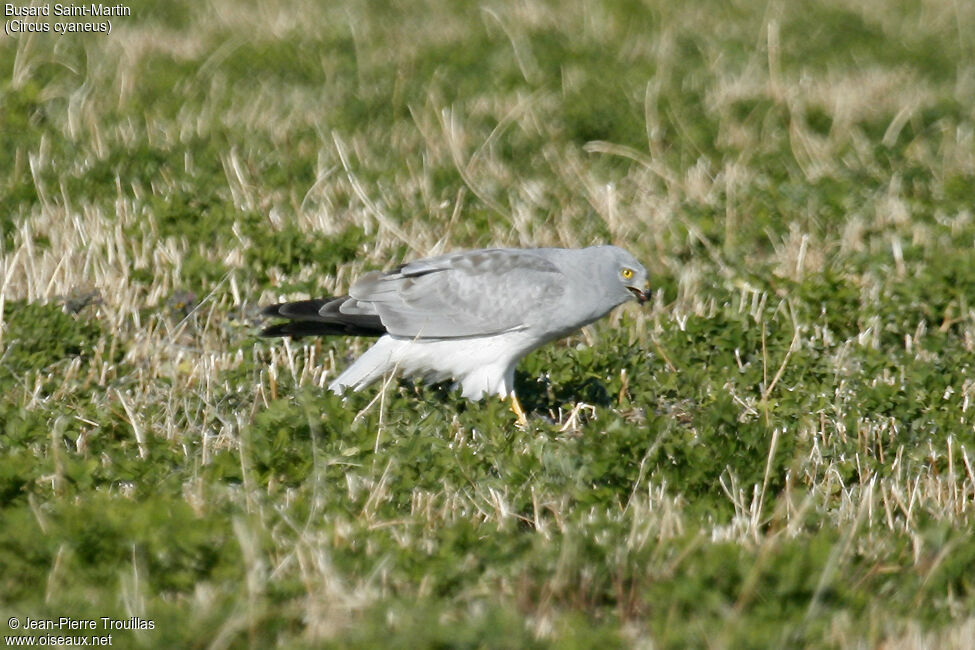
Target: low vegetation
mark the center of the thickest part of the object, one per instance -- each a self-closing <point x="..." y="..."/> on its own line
<point x="777" y="451"/>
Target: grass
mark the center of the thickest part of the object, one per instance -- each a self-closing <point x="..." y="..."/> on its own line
<point x="777" y="451"/>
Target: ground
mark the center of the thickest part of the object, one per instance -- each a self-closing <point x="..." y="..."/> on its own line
<point x="777" y="450"/>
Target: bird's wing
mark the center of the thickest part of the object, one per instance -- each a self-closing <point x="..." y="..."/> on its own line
<point x="475" y="293"/>
<point x="321" y="316"/>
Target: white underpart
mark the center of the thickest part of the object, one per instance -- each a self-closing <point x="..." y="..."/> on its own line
<point x="486" y="367"/>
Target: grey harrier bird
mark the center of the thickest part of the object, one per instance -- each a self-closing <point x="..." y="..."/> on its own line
<point x="470" y="316"/>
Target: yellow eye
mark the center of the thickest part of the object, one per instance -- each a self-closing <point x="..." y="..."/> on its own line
<point x="627" y="274"/>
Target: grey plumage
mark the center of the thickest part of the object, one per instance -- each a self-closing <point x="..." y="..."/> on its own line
<point x="468" y="315"/>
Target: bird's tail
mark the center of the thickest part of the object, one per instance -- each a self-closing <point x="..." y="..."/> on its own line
<point x="373" y="364"/>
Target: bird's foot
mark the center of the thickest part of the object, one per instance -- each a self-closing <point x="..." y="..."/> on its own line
<point x="519" y="412"/>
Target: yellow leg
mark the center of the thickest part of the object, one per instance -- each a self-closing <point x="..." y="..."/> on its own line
<point x="518" y="411"/>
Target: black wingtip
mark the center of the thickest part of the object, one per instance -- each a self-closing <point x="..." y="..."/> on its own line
<point x="306" y="318"/>
<point x="298" y="310"/>
<point x="293" y="329"/>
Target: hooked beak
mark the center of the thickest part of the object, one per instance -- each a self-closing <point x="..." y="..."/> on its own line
<point x="642" y="295"/>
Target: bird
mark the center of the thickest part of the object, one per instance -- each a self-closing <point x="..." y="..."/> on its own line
<point x="469" y="316"/>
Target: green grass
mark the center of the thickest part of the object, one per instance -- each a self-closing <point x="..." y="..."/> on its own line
<point x="777" y="451"/>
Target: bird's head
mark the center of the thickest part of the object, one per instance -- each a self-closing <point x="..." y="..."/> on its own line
<point x="630" y="274"/>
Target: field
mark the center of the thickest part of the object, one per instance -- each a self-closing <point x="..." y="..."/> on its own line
<point x="778" y="450"/>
